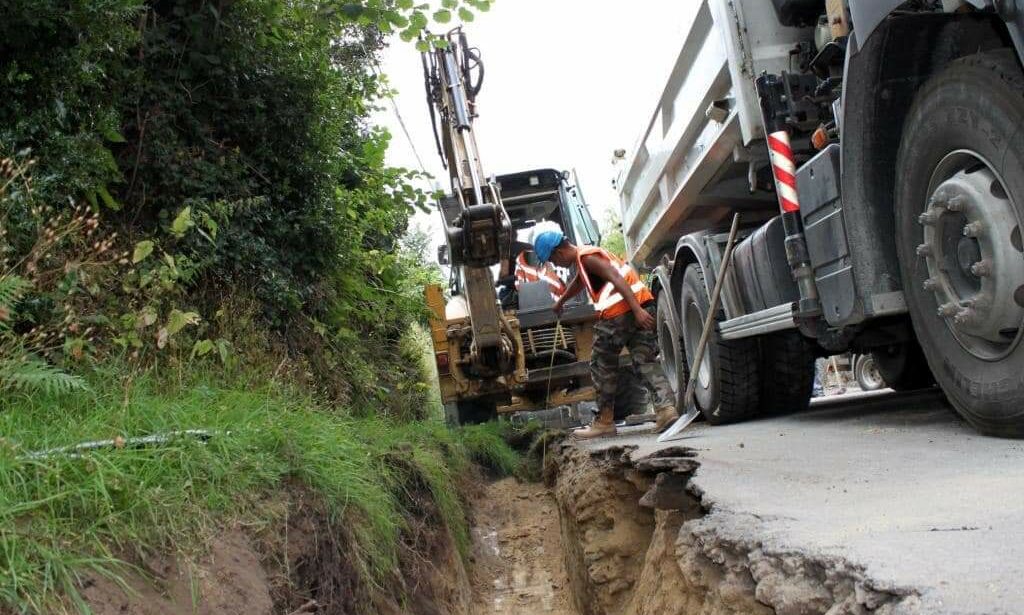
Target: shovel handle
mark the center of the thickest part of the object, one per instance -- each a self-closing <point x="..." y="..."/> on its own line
<point x="709" y="320"/>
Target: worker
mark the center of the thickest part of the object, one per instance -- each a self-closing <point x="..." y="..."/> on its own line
<point x="525" y="273"/>
<point x="627" y="309"/>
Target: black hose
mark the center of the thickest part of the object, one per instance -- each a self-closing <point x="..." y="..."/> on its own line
<point x="428" y="84"/>
<point x="473" y="87"/>
<point x="471" y="61"/>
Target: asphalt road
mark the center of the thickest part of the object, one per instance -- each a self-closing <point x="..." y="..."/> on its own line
<point x="891" y="482"/>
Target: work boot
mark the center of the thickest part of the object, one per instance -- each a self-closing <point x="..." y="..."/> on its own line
<point x="664" y="417"/>
<point x="603" y="425"/>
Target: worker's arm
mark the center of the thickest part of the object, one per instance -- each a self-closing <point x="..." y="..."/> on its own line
<point x="574" y="289"/>
<point x="604" y="269"/>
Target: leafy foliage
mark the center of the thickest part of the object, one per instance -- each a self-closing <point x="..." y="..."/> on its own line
<point x="228" y="142"/>
<point x="29" y="373"/>
<point x="612" y="238"/>
<point x="205" y="183"/>
<point x="20" y="370"/>
<point x="11" y="289"/>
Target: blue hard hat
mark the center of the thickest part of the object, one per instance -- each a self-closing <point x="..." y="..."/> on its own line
<point x="546" y="243"/>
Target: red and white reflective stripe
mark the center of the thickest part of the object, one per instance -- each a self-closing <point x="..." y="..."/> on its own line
<point x="784" y="170"/>
<point x="526" y="273"/>
<point x="609" y="296"/>
<point x="554" y="282"/>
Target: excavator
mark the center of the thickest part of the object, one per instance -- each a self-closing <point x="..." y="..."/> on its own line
<point x="498" y="346"/>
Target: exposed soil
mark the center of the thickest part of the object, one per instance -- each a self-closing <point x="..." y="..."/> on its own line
<point x="518" y="565"/>
<point x="606" y="534"/>
<point x="228" y="580"/>
<point x="641" y="540"/>
<point x="300" y="563"/>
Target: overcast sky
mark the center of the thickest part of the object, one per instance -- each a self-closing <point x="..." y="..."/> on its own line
<point x="567" y="82"/>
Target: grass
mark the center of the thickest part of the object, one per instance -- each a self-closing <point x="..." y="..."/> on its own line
<point x="61" y="515"/>
<point x="487" y="445"/>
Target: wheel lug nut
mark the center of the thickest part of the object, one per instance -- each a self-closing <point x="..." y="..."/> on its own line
<point x="948" y="309"/>
<point x="973" y="229"/>
<point x="982" y="268"/>
<point x="956" y="203"/>
<point x="924" y="250"/>
<point x="937" y="201"/>
<point x="965" y="316"/>
<point x="931" y="284"/>
<point x="980" y="303"/>
<point x="928" y="217"/>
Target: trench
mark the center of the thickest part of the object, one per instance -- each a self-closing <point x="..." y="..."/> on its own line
<point x="603" y="533"/>
<point x="608" y="534"/>
<point x="517" y="564"/>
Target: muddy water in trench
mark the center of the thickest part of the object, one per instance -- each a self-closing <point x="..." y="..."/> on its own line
<point x="518" y="567"/>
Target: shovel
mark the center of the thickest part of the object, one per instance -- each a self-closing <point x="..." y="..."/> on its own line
<point x="686" y="401"/>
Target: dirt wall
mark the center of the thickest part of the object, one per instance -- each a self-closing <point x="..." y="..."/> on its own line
<point x="640" y="541"/>
<point x="299" y="563"/>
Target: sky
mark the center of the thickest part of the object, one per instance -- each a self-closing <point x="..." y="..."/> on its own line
<point x="566" y="83"/>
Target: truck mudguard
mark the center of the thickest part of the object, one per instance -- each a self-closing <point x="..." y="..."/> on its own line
<point x="866" y="16"/>
<point x="689" y="250"/>
<point x="661" y="282"/>
<point x="888" y="72"/>
<point x="825" y="232"/>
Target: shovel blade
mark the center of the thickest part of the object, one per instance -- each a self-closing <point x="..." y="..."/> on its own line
<point x="680" y="424"/>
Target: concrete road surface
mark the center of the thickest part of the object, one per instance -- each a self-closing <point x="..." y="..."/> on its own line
<point x="891" y="482"/>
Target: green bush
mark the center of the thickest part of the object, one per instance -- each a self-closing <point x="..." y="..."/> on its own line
<point x="192" y="187"/>
<point x="228" y="145"/>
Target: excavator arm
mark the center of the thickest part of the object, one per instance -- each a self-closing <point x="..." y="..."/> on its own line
<point x="477" y="226"/>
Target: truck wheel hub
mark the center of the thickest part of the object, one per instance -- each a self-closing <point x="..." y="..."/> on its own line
<point x="975" y="269"/>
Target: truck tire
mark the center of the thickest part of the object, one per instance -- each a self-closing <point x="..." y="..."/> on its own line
<point x="475" y="411"/>
<point x="903" y="367"/>
<point x="960" y="197"/>
<point x="865" y="370"/>
<point x="670" y="347"/>
<point x="787" y="372"/>
<point x="727" y="387"/>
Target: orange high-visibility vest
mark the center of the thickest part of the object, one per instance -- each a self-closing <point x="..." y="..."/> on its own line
<point x="608" y="301"/>
<point x="527" y="273"/>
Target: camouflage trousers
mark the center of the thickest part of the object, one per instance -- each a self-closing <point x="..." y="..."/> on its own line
<point x="610" y="337"/>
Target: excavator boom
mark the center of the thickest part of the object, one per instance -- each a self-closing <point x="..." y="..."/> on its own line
<point x="477" y="226"/>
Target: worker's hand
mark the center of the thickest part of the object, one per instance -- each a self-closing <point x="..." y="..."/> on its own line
<point x="644" y="320"/>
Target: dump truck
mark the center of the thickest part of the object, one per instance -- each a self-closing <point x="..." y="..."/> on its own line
<point x="874" y="151"/>
<point x="498" y="346"/>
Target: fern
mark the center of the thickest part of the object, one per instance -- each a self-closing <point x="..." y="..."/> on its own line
<point x="11" y="289"/>
<point x="32" y="374"/>
<point x="20" y="371"/>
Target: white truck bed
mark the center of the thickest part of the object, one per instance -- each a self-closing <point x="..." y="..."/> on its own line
<point x="689" y="169"/>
